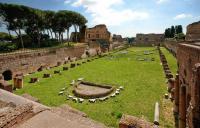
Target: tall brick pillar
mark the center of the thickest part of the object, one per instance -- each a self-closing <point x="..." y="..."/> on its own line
<point x="176" y="100"/>
<point x="182" y="106"/>
<point x="194" y="118"/>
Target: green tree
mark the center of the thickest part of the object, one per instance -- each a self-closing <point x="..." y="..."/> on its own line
<point x="178" y="29"/>
<point x="172" y="32"/>
<point x="180" y="36"/>
<point x="36" y="23"/>
<point x="49" y="15"/>
<point x="168" y="33"/>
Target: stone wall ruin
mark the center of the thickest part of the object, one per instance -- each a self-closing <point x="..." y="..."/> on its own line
<point x="28" y="62"/>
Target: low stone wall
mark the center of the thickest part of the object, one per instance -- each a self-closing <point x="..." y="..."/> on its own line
<point x="13" y="116"/>
<point x="32" y="61"/>
<point x="79" y="93"/>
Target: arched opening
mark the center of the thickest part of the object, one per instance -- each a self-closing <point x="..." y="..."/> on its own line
<point x="7" y="75"/>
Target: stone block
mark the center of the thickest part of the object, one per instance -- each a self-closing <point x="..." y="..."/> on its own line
<point x="34" y="80"/>
<point x="65" y="68"/>
<point x="57" y="71"/>
<point x="59" y="63"/>
<point x="18" y="82"/>
<point x="5" y="85"/>
<point x="46" y="75"/>
<point x="128" y="121"/>
<point x="72" y="65"/>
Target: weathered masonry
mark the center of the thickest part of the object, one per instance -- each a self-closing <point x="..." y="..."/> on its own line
<point x="96" y="33"/>
<point x="149" y="39"/>
<point x="193" y="32"/>
<point x="187" y="86"/>
<point x="28" y="62"/>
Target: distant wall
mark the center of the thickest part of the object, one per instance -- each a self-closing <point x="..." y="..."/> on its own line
<point x="149" y="39"/>
<point x="31" y="61"/>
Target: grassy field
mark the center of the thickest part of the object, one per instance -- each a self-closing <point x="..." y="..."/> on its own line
<point x="143" y="82"/>
<point x="171" y="60"/>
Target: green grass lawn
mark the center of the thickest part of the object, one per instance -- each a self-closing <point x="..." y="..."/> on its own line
<point x="143" y="82"/>
<point x="171" y="60"/>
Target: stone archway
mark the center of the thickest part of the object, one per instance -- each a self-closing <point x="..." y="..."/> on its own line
<point x="7" y="75"/>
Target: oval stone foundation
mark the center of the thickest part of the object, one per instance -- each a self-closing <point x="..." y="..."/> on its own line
<point x="89" y="90"/>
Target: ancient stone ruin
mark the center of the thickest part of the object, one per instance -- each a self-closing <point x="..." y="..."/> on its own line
<point x="187" y="86"/>
<point x="193" y="32"/>
<point x="149" y="39"/>
<point x="90" y="90"/>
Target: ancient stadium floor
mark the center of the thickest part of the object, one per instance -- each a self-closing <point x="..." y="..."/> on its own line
<point x="143" y="83"/>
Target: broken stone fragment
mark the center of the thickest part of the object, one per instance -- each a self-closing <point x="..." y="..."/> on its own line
<point x="113" y="95"/>
<point x="80" y="79"/>
<point x="57" y="71"/>
<point x="80" y="100"/>
<point x="34" y="80"/>
<point x="46" y="75"/>
<point x="72" y="65"/>
<point x="65" y="68"/>
<point x="121" y="88"/>
<point x="60" y="93"/>
<point x="92" y="100"/>
<point x="117" y="92"/>
<point x="73" y="82"/>
<point x="70" y="96"/>
<point x="75" y="99"/>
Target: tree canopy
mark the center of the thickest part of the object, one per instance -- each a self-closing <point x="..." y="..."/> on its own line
<point x="37" y="23"/>
<point x="174" y="31"/>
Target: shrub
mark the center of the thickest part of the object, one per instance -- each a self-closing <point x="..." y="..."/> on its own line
<point x="7" y="46"/>
<point x="118" y="115"/>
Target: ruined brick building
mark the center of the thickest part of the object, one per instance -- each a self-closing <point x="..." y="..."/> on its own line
<point x="98" y="37"/>
<point x="193" y="32"/>
<point x="188" y="57"/>
<point x="117" y="38"/>
<point x="187" y="82"/>
<point x="149" y="39"/>
<point x="95" y="37"/>
<point x="96" y="33"/>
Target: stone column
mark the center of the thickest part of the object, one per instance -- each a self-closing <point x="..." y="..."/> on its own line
<point x="15" y="82"/>
<point x="182" y="106"/>
<point x="20" y="82"/>
<point x="171" y="82"/>
<point x="176" y="98"/>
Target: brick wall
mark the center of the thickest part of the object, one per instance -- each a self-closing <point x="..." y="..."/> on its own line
<point x="30" y="62"/>
<point x="193" y="31"/>
<point x="188" y="57"/>
<point x="149" y="39"/>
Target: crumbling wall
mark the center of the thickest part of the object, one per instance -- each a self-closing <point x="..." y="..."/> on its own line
<point x="188" y="57"/>
<point x="149" y="39"/>
<point x="193" y="31"/>
<point x="32" y="61"/>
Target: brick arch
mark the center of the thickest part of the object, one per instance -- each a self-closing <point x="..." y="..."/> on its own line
<point x="7" y="75"/>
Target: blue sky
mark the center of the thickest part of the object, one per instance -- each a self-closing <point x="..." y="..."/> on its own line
<point x="126" y="17"/>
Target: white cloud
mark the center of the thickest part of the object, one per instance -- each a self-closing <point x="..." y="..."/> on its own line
<point x="182" y="16"/>
<point x="107" y="12"/>
<point x="67" y="1"/>
<point x="161" y="1"/>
